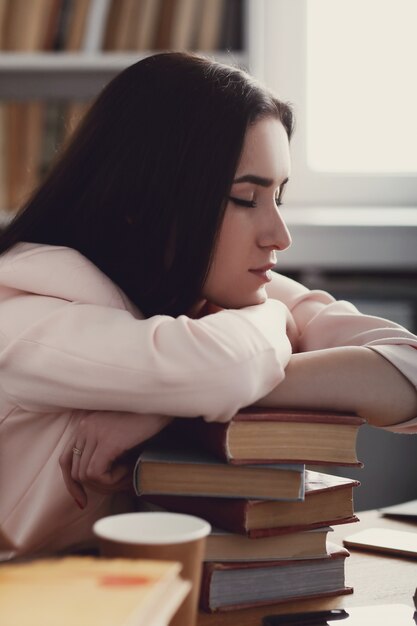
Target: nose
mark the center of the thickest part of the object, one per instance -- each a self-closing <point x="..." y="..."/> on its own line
<point x="274" y="232"/>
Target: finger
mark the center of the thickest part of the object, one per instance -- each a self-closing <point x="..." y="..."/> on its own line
<point x="112" y="481"/>
<point x="117" y="474"/>
<point x="102" y="466"/>
<point x="77" y="450"/>
<point x="102" y="462"/>
<point x="81" y="452"/>
<point x="73" y="487"/>
<point x="90" y="446"/>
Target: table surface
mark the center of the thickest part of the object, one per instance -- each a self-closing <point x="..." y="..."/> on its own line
<point x="378" y="578"/>
<point x="375" y="577"/>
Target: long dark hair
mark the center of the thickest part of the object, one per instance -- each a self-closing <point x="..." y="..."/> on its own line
<point x="141" y="188"/>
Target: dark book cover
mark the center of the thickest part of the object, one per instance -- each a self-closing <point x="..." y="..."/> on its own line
<point x="235" y="585"/>
<point x="216" y="437"/>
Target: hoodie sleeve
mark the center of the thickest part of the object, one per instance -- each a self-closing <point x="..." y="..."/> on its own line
<point x="323" y="322"/>
<point x="92" y="357"/>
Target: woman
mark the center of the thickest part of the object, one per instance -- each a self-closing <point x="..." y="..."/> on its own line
<point x="137" y="285"/>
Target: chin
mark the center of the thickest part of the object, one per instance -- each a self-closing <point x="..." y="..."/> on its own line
<point x="242" y="300"/>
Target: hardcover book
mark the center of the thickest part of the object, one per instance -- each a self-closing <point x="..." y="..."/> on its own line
<point x="164" y="469"/>
<point x="257" y="435"/>
<point x="308" y="544"/>
<point x="235" y="585"/>
<point x="328" y="501"/>
<point x="93" y="591"/>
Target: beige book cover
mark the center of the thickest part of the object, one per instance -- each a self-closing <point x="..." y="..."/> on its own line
<point x="93" y="591"/>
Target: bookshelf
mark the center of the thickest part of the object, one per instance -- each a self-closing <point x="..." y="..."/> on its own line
<point x="30" y="72"/>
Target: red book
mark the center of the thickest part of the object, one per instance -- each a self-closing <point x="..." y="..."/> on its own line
<point x="257" y="435"/>
<point x="328" y="501"/>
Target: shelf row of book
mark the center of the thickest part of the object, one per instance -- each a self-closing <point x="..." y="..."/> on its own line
<point x="31" y="134"/>
<point x="93" y="26"/>
<point x="256" y="480"/>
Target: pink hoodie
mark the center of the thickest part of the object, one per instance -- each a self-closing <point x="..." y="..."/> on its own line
<point x="71" y="342"/>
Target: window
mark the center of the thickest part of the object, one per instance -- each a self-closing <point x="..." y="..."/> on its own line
<point x="349" y="68"/>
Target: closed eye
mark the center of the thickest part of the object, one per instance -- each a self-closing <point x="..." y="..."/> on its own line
<point x="251" y="204"/>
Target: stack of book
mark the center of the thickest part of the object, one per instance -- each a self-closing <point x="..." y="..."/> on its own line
<point x="271" y="516"/>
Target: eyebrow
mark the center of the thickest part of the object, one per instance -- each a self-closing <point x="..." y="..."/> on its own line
<point x="257" y="180"/>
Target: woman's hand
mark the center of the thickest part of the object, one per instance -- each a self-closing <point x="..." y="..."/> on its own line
<point x="101" y="442"/>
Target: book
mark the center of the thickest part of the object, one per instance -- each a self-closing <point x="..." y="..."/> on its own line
<point x="397" y="542"/>
<point x="52" y="136"/>
<point x="164" y="25"/>
<point x="328" y="500"/>
<point x="76" y="25"/>
<point x="56" y="23"/>
<point x="227" y="586"/>
<point x="93" y="591"/>
<point x="181" y="470"/>
<point x="225" y="546"/>
<point x="3" y="21"/>
<point x="184" y="26"/>
<point x="232" y="36"/>
<point x="27" y="29"/>
<point x="3" y="160"/>
<point x="119" y="24"/>
<point x="23" y="131"/>
<point x="257" y="435"/>
<point x="147" y="26"/>
<point x="211" y="14"/>
<point x="27" y="24"/>
<point x="95" y="26"/>
<point x="404" y="509"/>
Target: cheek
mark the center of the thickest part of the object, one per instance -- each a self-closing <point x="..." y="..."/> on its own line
<point x="231" y="233"/>
<point x="224" y="264"/>
<point x="228" y="283"/>
<point x="232" y="244"/>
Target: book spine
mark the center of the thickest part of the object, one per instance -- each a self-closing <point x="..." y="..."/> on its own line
<point x="164" y="29"/>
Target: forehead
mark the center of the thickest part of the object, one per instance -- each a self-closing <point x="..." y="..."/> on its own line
<point x="266" y="151"/>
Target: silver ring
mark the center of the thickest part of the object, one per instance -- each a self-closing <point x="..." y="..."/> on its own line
<point x="77" y="451"/>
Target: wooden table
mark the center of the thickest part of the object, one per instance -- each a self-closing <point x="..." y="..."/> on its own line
<point x="376" y="579"/>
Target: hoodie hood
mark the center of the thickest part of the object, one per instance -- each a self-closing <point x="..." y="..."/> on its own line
<point x="58" y="272"/>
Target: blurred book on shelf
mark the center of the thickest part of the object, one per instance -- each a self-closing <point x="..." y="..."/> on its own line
<point x="31" y="136"/>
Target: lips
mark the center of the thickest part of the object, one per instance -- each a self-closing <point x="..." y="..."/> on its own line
<point x="264" y="273"/>
<point x="264" y="268"/>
